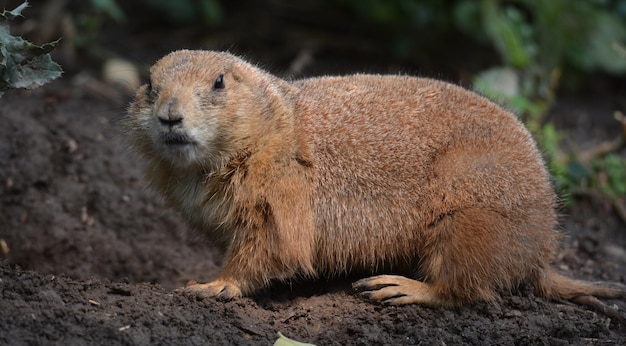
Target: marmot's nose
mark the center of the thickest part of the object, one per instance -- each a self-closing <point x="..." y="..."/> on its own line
<point x="170" y="113"/>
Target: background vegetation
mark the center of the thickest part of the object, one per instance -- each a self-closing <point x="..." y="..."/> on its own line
<point x="521" y="53"/>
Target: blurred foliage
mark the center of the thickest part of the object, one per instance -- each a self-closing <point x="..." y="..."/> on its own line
<point x="538" y="42"/>
<point x="174" y="11"/>
<point x="611" y="177"/>
<point x="22" y="63"/>
<point x="178" y="12"/>
<point x="111" y="8"/>
<point x="541" y="45"/>
<point x="186" y="11"/>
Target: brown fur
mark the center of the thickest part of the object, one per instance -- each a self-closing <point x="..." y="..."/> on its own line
<point x="363" y="173"/>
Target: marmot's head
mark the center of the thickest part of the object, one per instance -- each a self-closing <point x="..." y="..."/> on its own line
<point x="199" y="108"/>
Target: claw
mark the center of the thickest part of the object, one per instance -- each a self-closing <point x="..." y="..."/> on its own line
<point x="395" y="290"/>
<point x="222" y="289"/>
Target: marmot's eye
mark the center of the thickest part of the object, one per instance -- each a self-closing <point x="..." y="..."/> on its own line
<point x="219" y="82"/>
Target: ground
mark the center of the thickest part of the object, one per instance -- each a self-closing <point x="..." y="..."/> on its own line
<point x="90" y="255"/>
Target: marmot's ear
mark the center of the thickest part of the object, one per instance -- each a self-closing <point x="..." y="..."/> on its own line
<point x="240" y="71"/>
<point x="237" y="74"/>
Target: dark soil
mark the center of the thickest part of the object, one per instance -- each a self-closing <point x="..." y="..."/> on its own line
<point x="101" y="256"/>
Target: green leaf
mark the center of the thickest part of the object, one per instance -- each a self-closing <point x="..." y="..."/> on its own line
<point x="8" y="15"/>
<point x="37" y="72"/>
<point x="22" y="63"/>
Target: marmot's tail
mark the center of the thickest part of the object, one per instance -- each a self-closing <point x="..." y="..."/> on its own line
<point x="555" y="286"/>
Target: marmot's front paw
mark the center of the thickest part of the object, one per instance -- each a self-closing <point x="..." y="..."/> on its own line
<point x="222" y="289"/>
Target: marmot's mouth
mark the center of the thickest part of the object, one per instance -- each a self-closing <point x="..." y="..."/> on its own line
<point x="176" y="139"/>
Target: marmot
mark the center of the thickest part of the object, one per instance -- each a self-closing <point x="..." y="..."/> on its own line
<point x="373" y="174"/>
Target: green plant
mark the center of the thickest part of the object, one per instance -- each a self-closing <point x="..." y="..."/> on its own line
<point x="22" y="63"/>
<point x="537" y="41"/>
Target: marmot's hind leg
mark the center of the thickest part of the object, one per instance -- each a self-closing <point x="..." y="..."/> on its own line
<point x="397" y="290"/>
<point x="467" y="256"/>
